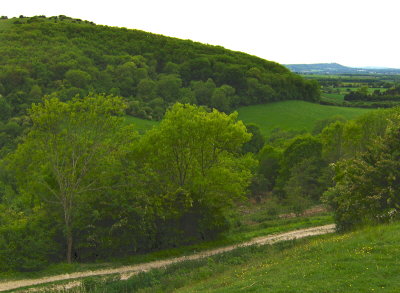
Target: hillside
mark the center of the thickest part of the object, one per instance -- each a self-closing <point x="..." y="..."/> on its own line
<point x="364" y="261"/>
<point x="69" y="57"/>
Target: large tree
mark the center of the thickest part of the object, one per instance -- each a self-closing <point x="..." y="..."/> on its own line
<point x="197" y="163"/>
<point x="68" y="153"/>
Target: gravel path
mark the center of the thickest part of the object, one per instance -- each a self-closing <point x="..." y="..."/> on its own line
<point x="128" y="271"/>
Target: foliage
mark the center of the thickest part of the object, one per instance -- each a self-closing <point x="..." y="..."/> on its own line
<point x="106" y="192"/>
<point x="362" y="94"/>
<point x="195" y="156"/>
<point x="75" y="57"/>
<point x="269" y="166"/>
<point x="256" y="143"/>
<point x="26" y="241"/>
<point x="367" y="186"/>
<point x="67" y="151"/>
<point x="321" y="124"/>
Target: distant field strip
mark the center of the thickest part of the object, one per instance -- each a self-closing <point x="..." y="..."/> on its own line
<point x="296" y="115"/>
<point x="128" y="271"/>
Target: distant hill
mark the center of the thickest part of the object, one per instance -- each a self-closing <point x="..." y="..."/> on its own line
<point x="335" y="68"/>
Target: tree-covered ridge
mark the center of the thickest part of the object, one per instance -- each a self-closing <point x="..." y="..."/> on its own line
<point x="40" y="56"/>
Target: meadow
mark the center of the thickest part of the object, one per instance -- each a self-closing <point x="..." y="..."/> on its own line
<point x="293" y="115"/>
<point x="141" y="125"/>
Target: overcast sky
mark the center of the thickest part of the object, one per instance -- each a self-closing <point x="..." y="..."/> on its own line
<point x="349" y="32"/>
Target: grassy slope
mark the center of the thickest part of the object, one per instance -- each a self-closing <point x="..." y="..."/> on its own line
<point x="285" y="115"/>
<point x="363" y="261"/>
<point x="296" y="115"/>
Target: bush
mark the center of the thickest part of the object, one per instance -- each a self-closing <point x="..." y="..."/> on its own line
<point x="26" y="242"/>
<point x="23" y="248"/>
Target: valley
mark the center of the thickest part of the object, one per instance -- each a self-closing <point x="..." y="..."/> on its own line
<point x="136" y="162"/>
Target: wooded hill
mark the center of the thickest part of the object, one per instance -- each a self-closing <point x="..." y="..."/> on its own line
<point x="68" y="57"/>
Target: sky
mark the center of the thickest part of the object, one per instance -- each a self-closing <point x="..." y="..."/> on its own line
<point x="350" y="32"/>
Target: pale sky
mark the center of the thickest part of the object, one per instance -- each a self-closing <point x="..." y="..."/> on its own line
<point x="349" y="32"/>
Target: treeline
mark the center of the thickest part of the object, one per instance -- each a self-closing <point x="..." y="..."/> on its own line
<point x="362" y="94"/>
<point x="82" y="185"/>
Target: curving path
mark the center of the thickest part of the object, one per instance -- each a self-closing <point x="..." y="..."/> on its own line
<point x="128" y="271"/>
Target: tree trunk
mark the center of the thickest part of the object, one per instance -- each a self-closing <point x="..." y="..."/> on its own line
<point x="68" y="233"/>
<point x="69" y="246"/>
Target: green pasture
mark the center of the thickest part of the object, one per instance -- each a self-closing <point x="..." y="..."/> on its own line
<point x="296" y="115"/>
<point x="338" y="98"/>
<point x="363" y="261"/>
<point x="140" y="124"/>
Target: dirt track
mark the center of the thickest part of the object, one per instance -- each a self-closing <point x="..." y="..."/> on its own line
<point x="127" y="271"/>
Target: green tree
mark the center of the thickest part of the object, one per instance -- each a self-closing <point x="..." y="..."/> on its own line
<point x="299" y="149"/>
<point x="223" y="98"/>
<point x="257" y="140"/>
<point x="269" y="165"/>
<point x="194" y="155"/>
<point x="321" y="124"/>
<point x="146" y="89"/>
<point x="5" y="110"/>
<point x="367" y="187"/>
<point x="203" y="91"/>
<point x="168" y="87"/>
<point x="306" y="182"/>
<point x="333" y="141"/>
<point x="68" y="151"/>
<point x="77" y="78"/>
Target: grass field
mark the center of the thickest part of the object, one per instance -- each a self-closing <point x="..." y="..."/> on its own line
<point x="333" y="98"/>
<point x="362" y="261"/>
<point x="140" y="124"/>
<point x="5" y="23"/>
<point x="296" y="115"/>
